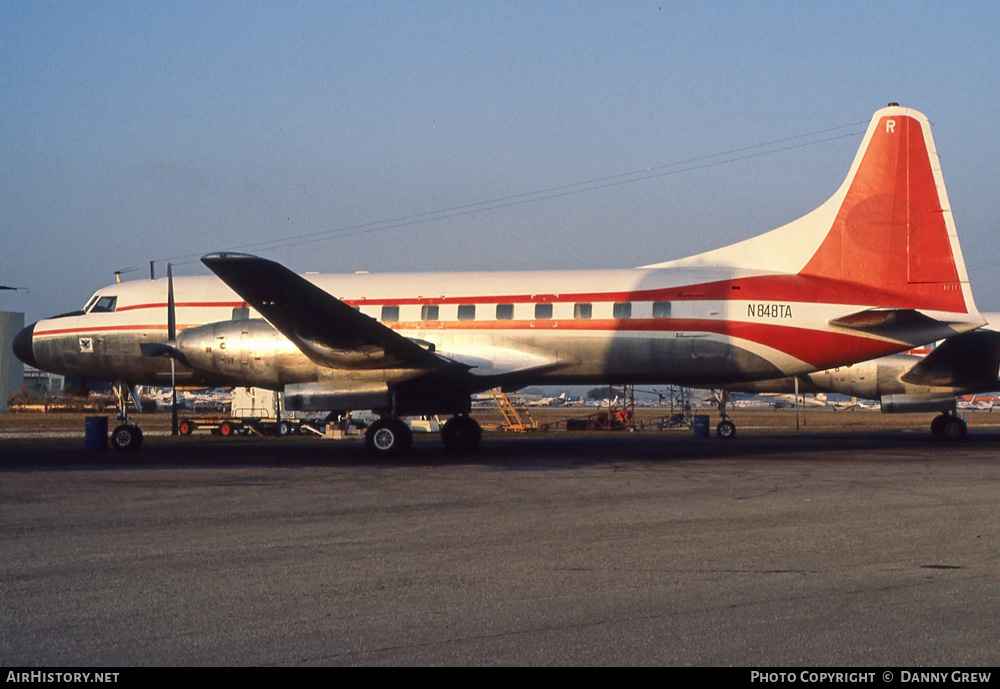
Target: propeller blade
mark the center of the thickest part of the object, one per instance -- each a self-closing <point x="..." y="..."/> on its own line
<point x="172" y="335"/>
<point x="171" y="311"/>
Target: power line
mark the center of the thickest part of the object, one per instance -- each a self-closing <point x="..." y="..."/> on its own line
<point x="619" y="179"/>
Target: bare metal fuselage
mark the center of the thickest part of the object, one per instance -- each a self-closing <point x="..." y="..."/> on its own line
<point x="678" y="328"/>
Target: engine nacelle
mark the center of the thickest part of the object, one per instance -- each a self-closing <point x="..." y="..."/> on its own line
<point x="868" y="379"/>
<point x="404" y="401"/>
<point x="907" y="404"/>
<point x="245" y="352"/>
<point x="857" y="380"/>
<point x="329" y="397"/>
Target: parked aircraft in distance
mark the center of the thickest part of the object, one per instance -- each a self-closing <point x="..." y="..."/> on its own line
<point x="782" y="400"/>
<point x="978" y="402"/>
<point x="550" y="401"/>
<point x="923" y="380"/>
<point x="874" y="270"/>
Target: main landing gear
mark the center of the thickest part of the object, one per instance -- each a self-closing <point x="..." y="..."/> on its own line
<point x="127" y="436"/>
<point x="388" y="437"/>
<point x="726" y="428"/>
<point x="461" y="434"/>
<point x="948" y="427"/>
<point x="391" y="437"/>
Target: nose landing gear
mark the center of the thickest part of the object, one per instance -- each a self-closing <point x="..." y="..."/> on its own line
<point x="127" y="436"/>
<point x="726" y="428"/>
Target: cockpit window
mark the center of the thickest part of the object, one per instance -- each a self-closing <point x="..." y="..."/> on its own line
<point x="86" y="307"/>
<point x="104" y="305"/>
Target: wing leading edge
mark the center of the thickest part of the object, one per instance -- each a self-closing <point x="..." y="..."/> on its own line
<point x="327" y="330"/>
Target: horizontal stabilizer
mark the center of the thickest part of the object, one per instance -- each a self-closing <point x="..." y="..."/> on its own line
<point x="884" y="322"/>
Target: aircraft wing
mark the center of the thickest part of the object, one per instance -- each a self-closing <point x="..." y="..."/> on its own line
<point x="969" y="360"/>
<point x="327" y="330"/>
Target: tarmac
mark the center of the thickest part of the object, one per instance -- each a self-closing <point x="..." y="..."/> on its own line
<point x="873" y="548"/>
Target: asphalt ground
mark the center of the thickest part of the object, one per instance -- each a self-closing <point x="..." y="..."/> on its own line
<point x="872" y="547"/>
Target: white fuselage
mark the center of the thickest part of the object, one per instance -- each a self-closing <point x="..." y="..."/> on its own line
<point x="684" y="325"/>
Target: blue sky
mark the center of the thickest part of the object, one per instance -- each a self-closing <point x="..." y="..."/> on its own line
<point x="134" y="131"/>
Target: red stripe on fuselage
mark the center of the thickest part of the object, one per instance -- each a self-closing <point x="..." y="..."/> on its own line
<point x="771" y="288"/>
<point x="819" y="348"/>
<point x="107" y="328"/>
<point x="185" y="304"/>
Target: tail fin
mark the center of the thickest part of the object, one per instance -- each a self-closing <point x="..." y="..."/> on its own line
<point x="889" y="227"/>
<point x="894" y="229"/>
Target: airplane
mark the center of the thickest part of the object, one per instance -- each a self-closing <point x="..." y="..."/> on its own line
<point x="782" y="400"/>
<point x="874" y="270"/>
<point x="920" y="380"/>
<point x="549" y="401"/>
<point x="983" y="402"/>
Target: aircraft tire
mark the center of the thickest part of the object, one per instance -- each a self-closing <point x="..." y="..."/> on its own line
<point x="461" y="434"/>
<point x="126" y="438"/>
<point x="953" y="429"/>
<point x="726" y="429"/>
<point x="388" y="438"/>
<point x="937" y="424"/>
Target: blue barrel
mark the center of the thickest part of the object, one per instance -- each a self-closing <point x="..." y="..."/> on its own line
<point x="95" y="433"/>
<point x="701" y="425"/>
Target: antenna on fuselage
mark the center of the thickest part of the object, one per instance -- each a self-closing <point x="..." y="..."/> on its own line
<point x="118" y="273"/>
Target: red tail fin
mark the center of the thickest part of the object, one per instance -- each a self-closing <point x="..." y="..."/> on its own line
<point x="890" y="231"/>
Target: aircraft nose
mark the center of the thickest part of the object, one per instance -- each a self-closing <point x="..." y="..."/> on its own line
<point x="23" y="348"/>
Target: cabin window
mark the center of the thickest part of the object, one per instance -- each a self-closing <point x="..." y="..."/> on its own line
<point x="390" y="314"/>
<point x="105" y="305"/>
<point x="622" y="309"/>
<point x="505" y="312"/>
<point x="661" y="309"/>
<point x="466" y="312"/>
<point x="241" y="313"/>
<point x="429" y="312"/>
<point x="543" y="311"/>
<point x="583" y="310"/>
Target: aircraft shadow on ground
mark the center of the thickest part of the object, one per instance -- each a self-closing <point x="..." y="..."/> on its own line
<point x="513" y="453"/>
